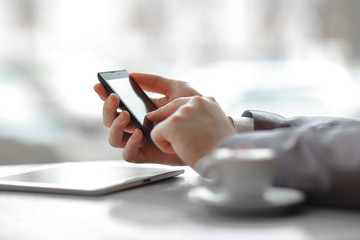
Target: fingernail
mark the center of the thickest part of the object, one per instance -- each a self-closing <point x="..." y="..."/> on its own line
<point x="149" y="114"/>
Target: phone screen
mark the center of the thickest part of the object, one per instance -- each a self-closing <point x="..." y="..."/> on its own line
<point x="132" y="97"/>
<point x="125" y="88"/>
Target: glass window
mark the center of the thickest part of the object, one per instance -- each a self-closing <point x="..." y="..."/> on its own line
<point x="291" y="57"/>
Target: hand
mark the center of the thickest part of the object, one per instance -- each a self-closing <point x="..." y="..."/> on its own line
<point x="191" y="128"/>
<point x="123" y="134"/>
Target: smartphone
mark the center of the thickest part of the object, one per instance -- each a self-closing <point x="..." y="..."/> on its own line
<point x="132" y="98"/>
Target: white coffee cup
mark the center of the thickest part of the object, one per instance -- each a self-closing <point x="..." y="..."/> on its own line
<point x="240" y="173"/>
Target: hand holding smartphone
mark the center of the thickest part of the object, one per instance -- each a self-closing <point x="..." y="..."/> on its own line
<point x="132" y="98"/>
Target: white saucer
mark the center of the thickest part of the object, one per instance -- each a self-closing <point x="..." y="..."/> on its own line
<point x="274" y="198"/>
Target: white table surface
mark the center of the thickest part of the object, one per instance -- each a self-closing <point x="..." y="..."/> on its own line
<point x="157" y="211"/>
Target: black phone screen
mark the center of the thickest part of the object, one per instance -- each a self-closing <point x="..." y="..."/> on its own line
<point x="132" y="97"/>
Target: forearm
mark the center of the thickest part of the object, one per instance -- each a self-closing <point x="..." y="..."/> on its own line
<point x="324" y="162"/>
<point x="267" y="121"/>
<point x="259" y="120"/>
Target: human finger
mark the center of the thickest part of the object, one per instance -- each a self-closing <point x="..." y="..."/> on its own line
<point x="117" y="129"/>
<point x="168" y="109"/>
<point x="154" y="83"/>
<point x="120" y="143"/>
<point x="159" y="102"/>
<point x="100" y="90"/>
<point x="110" y="107"/>
<point x="159" y="137"/>
<point x="132" y="148"/>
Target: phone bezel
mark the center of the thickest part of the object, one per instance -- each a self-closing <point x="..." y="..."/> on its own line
<point x="109" y="75"/>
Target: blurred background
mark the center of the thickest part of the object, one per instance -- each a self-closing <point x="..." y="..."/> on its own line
<point x="298" y="57"/>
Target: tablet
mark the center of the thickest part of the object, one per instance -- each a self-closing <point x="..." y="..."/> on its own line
<point x="94" y="178"/>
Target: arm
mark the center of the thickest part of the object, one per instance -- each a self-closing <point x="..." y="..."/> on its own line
<point x="322" y="161"/>
<point x="180" y="138"/>
<point x="266" y="121"/>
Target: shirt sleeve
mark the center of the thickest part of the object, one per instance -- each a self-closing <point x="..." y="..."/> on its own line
<point x="243" y="124"/>
<point x="321" y="160"/>
<point x="267" y="121"/>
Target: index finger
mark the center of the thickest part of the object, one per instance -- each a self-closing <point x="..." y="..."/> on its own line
<point x="154" y="83"/>
<point x="167" y="110"/>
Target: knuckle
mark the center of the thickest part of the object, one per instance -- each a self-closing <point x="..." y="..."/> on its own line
<point x="179" y="101"/>
<point x="210" y="98"/>
<point x="106" y="123"/>
<point x="115" y="140"/>
<point x="186" y="109"/>
<point x="107" y="105"/>
<point x="182" y="83"/>
<point x="176" y="118"/>
<point x="198" y="100"/>
<point x="161" y="101"/>
<point x="113" y="143"/>
<point x="125" y="156"/>
<point x="128" y="157"/>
